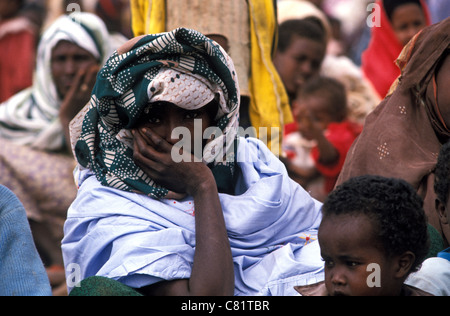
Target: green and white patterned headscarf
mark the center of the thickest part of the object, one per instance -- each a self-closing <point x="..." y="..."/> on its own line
<point x="182" y="67"/>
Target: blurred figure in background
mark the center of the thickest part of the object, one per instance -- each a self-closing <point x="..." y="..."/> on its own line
<point x="35" y="162"/>
<point x="320" y="110"/>
<point x="114" y="13"/>
<point x="439" y="9"/>
<point x="18" y="48"/>
<point x="399" y="22"/>
<point x="361" y="100"/>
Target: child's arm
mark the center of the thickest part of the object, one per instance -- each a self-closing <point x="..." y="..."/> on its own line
<point x="328" y="154"/>
<point x="300" y="175"/>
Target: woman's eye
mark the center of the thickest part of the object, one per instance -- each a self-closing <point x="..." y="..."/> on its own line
<point x="192" y="115"/>
<point x="154" y="120"/>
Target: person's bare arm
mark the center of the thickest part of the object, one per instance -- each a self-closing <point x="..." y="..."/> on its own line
<point x="328" y="154"/>
<point x="212" y="271"/>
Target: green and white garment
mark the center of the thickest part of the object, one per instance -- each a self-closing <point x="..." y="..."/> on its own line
<point x="182" y="67"/>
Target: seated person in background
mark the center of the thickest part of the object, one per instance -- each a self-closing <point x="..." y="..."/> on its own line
<point x="213" y="223"/>
<point x="22" y="271"/>
<point x="320" y="110"/>
<point x="114" y="13"/>
<point x="402" y="137"/>
<point x="434" y="275"/>
<point x="295" y="18"/>
<point x="372" y="236"/>
<point x="302" y="45"/>
<point x="35" y="161"/>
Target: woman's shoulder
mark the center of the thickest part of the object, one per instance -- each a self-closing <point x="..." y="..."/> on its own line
<point x="10" y="203"/>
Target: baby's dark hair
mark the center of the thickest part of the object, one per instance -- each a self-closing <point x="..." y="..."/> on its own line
<point x="308" y="28"/>
<point x="330" y="89"/>
<point x="442" y="174"/>
<point x="393" y="206"/>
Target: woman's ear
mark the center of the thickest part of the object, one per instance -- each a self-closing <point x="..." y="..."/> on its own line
<point x="441" y="209"/>
<point x="404" y="264"/>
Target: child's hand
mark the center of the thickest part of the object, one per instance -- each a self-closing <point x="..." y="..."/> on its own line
<point x="153" y="155"/>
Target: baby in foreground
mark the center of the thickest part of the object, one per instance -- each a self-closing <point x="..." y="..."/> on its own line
<point x="372" y="236"/>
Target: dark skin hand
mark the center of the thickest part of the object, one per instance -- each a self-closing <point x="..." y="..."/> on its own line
<point x="77" y="97"/>
<point x="212" y="271"/>
<point x="300" y="175"/>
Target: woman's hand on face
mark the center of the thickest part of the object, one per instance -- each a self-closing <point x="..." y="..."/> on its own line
<point x="153" y="155"/>
<point x="77" y="97"/>
<point x="80" y="92"/>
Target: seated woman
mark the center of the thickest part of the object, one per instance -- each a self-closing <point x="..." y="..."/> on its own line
<point x="35" y="162"/>
<point x="210" y="214"/>
<point x="402" y="137"/>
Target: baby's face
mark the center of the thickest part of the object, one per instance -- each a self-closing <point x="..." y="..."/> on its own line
<point x="311" y="110"/>
<point x="354" y="265"/>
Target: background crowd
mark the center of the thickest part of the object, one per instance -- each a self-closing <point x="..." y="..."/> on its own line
<point x="314" y="69"/>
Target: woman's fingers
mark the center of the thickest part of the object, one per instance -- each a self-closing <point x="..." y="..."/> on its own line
<point x="90" y="76"/>
<point x="153" y="154"/>
<point x="157" y="142"/>
<point x="143" y="146"/>
<point x="151" y="151"/>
